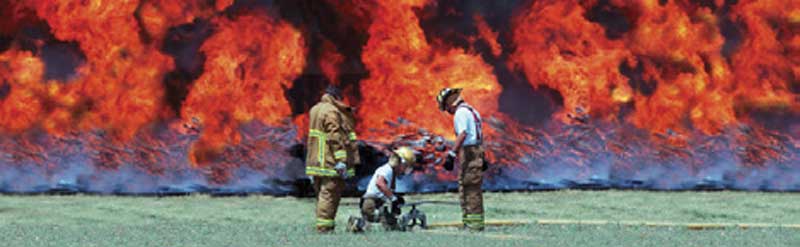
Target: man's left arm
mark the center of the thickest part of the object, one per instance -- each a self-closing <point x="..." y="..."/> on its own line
<point x="461" y="130"/>
<point x="460" y="140"/>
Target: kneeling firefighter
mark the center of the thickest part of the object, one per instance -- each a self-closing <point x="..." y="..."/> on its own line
<point x="380" y="192"/>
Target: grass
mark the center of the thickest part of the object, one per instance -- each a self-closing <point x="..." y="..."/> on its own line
<point x="270" y="221"/>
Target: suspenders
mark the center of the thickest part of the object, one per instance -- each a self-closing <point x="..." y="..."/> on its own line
<point x="394" y="182"/>
<point x="479" y="134"/>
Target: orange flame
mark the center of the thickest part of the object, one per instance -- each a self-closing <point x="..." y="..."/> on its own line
<point x="406" y="73"/>
<point x="684" y="74"/>
<point x="767" y="64"/>
<point x="22" y="107"/>
<point x="159" y="15"/>
<point x="488" y="35"/>
<point x="249" y="60"/>
<point x="329" y="61"/>
<point x="680" y="50"/>
<point x="558" y="48"/>
<point x="678" y="47"/>
<point x="119" y="87"/>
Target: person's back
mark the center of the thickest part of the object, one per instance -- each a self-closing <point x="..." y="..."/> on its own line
<point x="326" y="158"/>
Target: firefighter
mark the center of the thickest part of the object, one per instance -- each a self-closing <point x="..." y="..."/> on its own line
<point x="468" y="153"/>
<point x="380" y="192"/>
<point x="330" y="142"/>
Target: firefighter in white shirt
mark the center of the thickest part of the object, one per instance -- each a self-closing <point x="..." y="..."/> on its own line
<point x="469" y="154"/>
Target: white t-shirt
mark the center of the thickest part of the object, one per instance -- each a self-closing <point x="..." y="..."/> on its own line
<point x="464" y="121"/>
<point x="384" y="171"/>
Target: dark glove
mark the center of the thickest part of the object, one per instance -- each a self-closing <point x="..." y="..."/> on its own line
<point x="397" y="204"/>
<point x="450" y="161"/>
<point x="341" y="168"/>
<point x="400" y="200"/>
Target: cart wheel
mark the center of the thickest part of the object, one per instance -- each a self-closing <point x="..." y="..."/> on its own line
<point x="423" y="221"/>
<point x="392" y="225"/>
<point x="405" y="223"/>
<point x="355" y="224"/>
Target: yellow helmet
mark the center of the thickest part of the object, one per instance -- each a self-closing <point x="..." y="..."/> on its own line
<point x="445" y="93"/>
<point x="406" y="155"/>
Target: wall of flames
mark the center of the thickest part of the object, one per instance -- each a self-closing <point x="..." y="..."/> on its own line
<point x="688" y="68"/>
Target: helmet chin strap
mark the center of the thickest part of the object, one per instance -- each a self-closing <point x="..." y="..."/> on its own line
<point x="395" y="160"/>
<point x="457" y="101"/>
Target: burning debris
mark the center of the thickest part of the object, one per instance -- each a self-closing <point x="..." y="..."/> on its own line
<point x="169" y="98"/>
<point x="155" y="163"/>
<point x="588" y="156"/>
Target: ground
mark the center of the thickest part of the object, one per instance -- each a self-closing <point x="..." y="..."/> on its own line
<point x="286" y="221"/>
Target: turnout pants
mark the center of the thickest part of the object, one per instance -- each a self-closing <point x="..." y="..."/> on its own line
<point x="329" y="192"/>
<point x="370" y="209"/>
<point x="470" y="179"/>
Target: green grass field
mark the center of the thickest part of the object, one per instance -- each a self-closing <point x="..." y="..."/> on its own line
<point x="269" y="221"/>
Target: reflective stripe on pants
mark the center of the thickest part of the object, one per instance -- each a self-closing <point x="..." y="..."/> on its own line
<point x="325" y="223"/>
<point x="474" y="221"/>
<point x="470" y="180"/>
<point x="329" y="191"/>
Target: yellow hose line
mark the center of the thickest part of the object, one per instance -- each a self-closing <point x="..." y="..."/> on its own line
<point x="690" y="226"/>
<point x="486" y="223"/>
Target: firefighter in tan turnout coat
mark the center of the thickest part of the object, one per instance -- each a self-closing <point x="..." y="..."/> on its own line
<point x="331" y="154"/>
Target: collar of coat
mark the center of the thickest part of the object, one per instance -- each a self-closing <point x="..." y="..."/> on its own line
<point x="327" y="98"/>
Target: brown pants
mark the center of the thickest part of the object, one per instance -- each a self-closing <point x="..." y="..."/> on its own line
<point x="329" y="191"/>
<point x="369" y="209"/>
<point x="470" y="179"/>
